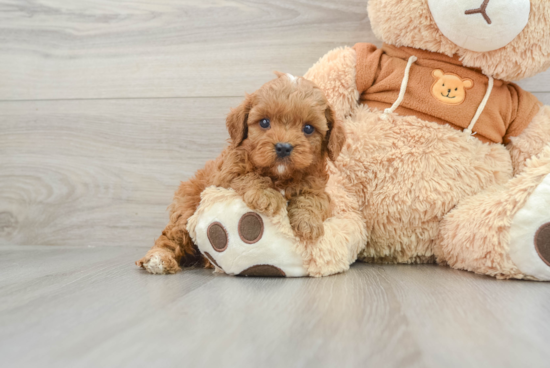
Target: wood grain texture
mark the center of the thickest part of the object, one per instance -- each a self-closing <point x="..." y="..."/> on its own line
<point x="55" y="49"/>
<point x="91" y="307"/>
<point x="100" y="172"/>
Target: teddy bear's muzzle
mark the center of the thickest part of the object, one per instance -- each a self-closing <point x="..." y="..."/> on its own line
<point x="481" y="25"/>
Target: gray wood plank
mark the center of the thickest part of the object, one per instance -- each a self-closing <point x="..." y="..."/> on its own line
<point x="90" y="307"/>
<point x="543" y="97"/>
<point x="55" y="49"/>
<point x="100" y="172"/>
<point x="478" y="321"/>
<point x="538" y="83"/>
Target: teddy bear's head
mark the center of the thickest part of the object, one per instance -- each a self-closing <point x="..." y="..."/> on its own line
<point x="506" y="39"/>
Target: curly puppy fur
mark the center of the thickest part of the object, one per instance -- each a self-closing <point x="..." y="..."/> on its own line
<point x="250" y="165"/>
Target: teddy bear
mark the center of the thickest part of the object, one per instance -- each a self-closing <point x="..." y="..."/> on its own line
<point x="446" y="161"/>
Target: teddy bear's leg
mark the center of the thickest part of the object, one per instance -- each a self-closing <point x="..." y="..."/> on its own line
<point x="503" y="231"/>
<point x="335" y="73"/>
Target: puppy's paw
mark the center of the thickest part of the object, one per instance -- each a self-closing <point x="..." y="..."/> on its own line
<point x="266" y="201"/>
<point x="158" y="262"/>
<point x="308" y="229"/>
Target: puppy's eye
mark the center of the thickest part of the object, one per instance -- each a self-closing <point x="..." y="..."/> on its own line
<point x="308" y="129"/>
<point x="265" y="123"/>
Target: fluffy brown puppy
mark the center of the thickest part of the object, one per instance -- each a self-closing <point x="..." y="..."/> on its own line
<point x="281" y="136"/>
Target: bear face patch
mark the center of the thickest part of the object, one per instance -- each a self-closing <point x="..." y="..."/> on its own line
<point x="449" y="88"/>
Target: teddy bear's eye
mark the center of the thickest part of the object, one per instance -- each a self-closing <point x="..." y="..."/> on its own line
<point x="443" y="84"/>
<point x="265" y="123"/>
<point x="308" y="129"/>
<point x="456" y="89"/>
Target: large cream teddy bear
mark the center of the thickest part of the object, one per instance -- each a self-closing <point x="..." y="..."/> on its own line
<point x="446" y="160"/>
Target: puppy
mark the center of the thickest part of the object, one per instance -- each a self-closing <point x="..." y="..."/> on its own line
<point x="280" y="138"/>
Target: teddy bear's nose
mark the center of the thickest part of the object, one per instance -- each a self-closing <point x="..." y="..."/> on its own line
<point x="481" y="10"/>
<point x="449" y="90"/>
<point x="283" y="149"/>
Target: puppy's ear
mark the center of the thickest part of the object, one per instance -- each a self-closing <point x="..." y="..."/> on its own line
<point x="237" y="121"/>
<point x="336" y="136"/>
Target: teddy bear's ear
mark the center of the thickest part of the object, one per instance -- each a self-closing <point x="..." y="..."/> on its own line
<point x="467" y="83"/>
<point x="438" y="73"/>
<point x="237" y="121"/>
<point x="336" y="136"/>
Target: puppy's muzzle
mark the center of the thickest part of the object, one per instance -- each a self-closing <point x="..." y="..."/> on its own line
<point x="283" y="149"/>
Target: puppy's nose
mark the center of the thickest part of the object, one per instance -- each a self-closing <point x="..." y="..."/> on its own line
<point x="283" y="149"/>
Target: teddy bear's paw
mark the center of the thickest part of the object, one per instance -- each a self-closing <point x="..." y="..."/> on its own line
<point x="241" y="242"/>
<point x="158" y="263"/>
<point x="530" y="234"/>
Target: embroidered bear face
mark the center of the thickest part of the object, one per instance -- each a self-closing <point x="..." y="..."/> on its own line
<point x="449" y="88"/>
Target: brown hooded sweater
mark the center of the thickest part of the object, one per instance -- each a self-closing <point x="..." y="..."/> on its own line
<point x="442" y="90"/>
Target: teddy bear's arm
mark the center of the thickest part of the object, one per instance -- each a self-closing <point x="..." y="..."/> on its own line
<point x="531" y="141"/>
<point x="335" y="74"/>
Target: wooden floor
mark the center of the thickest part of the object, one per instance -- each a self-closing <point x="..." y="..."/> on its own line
<point x="91" y="307"/>
<point x="105" y="105"/>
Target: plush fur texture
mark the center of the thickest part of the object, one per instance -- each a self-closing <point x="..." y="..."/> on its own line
<point x="475" y="236"/>
<point x="424" y="191"/>
<point x="407" y="174"/>
<point x="252" y="167"/>
<point x="412" y="25"/>
<point x="335" y="74"/>
<point x="532" y="141"/>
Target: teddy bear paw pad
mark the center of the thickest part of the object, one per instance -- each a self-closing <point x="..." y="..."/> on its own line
<point x="217" y="237"/>
<point x="239" y="241"/>
<point x="251" y="228"/>
<point x="542" y="243"/>
<point x="263" y="271"/>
